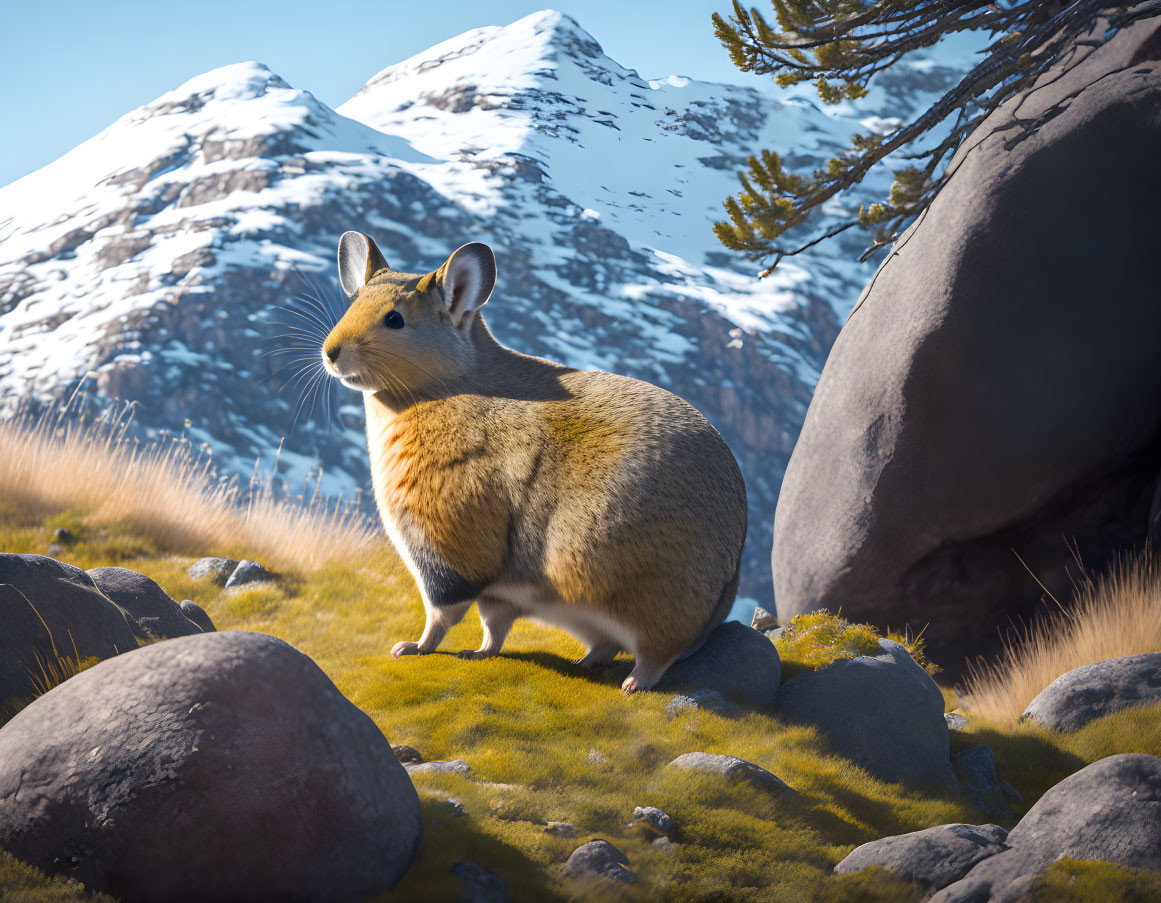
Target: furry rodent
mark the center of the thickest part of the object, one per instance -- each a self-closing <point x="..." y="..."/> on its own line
<point x="597" y="503"/>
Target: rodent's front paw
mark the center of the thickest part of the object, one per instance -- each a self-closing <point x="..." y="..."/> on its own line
<point x="404" y="648"/>
<point x="631" y="686"/>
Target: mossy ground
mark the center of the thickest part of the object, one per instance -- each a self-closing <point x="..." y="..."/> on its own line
<point x="549" y="741"/>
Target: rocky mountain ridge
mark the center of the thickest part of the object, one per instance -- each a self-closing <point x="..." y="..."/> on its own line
<point x="156" y="257"/>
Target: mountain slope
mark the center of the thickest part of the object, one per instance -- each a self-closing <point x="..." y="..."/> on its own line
<point x="156" y="256"/>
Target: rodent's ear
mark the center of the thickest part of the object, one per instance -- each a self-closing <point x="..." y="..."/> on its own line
<point x="359" y="260"/>
<point x="467" y="279"/>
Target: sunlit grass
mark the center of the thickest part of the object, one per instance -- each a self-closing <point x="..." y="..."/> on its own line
<point x="1113" y="617"/>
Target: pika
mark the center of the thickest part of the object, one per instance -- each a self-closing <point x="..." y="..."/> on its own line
<point x="592" y="502"/>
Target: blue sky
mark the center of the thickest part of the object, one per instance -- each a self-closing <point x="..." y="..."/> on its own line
<point x="70" y="68"/>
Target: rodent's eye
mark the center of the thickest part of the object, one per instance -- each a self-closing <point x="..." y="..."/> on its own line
<point x="393" y="320"/>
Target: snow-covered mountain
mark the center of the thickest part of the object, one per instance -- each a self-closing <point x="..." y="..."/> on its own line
<point x="156" y="256"/>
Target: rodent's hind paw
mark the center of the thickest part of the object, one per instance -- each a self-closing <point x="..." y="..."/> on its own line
<point x="404" y="648"/>
<point x="632" y="685"/>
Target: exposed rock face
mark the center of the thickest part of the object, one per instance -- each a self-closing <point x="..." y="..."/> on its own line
<point x="51" y="610"/>
<point x="998" y="385"/>
<point x="882" y="711"/>
<point x="151" y="613"/>
<point x="222" y="766"/>
<point x="1076" y="698"/>
<point x="248" y="572"/>
<point x="934" y="857"/>
<point x="977" y="767"/>
<point x="1109" y="811"/>
<point x="736" y="661"/>
<point x="186" y="238"/>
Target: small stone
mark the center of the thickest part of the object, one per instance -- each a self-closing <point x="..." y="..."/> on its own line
<point x="955" y="721"/>
<point x="596" y="757"/>
<point x="733" y="769"/>
<point x="248" y="572"/>
<point x="560" y="829"/>
<point x="219" y="569"/>
<point x="599" y="859"/>
<point x="452" y="766"/>
<point x="54" y="550"/>
<point x="64" y="536"/>
<point x="480" y="885"/>
<point x="408" y="755"/>
<point x="197" y="615"/>
<point x="664" y="844"/>
<point x="763" y="620"/>
<point x="654" y="820"/>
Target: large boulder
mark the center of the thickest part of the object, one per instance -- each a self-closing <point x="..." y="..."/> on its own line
<point x="51" y="611"/>
<point x="736" y="661"/>
<point x="1082" y="694"/>
<point x="998" y="384"/>
<point x="883" y="711"/>
<point x="152" y="614"/>
<point x="1109" y="811"/>
<point x="933" y="858"/>
<point x="221" y="766"/>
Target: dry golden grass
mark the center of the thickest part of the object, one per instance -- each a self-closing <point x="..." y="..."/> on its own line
<point x="1115" y="616"/>
<point x="168" y="491"/>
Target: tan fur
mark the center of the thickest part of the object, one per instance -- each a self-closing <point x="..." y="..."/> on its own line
<point x="598" y="502"/>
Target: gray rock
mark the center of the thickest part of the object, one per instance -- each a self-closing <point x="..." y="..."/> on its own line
<point x="736" y="661"/>
<point x="248" y="572"/>
<point x="50" y="611"/>
<point x="218" y="569"/>
<point x="883" y="711"/>
<point x="560" y="829"/>
<point x="977" y="767"/>
<point x="151" y="613"/>
<point x="221" y="766"/>
<point x="654" y="820"/>
<point x="479" y="885"/>
<point x="64" y="536"/>
<point x="702" y="700"/>
<point x="733" y="769"/>
<point x="934" y="857"/>
<point x="599" y="859"/>
<point x="955" y="721"/>
<point x="54" y="549"/>
<point x="664" y="844"/>
<point x="452" y="766"/>
<point x="1077" y="697"/>
<point x="1109" y="811"/>
<point x="197" y="615"/>
<point x="596" y="757"/>
<point x="408" y="755"/>
<point x="952" y="423"/>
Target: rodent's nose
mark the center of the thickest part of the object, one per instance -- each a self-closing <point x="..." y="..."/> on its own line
<point x="333" y="353"/>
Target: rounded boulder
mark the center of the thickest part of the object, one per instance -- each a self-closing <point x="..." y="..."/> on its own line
<point x="220" y="766"/>
<point x="50" y="612"/>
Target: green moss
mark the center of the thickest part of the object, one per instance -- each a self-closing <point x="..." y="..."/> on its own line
<point x="819" y="638"/>
<point x="1072" y="881"/>
<point x="21" y="883"/>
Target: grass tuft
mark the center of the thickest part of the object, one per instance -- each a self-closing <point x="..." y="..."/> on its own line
<point x="1113" y="617"/>
<point x="167" y="491"/>
<point x="819" y="638"/>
